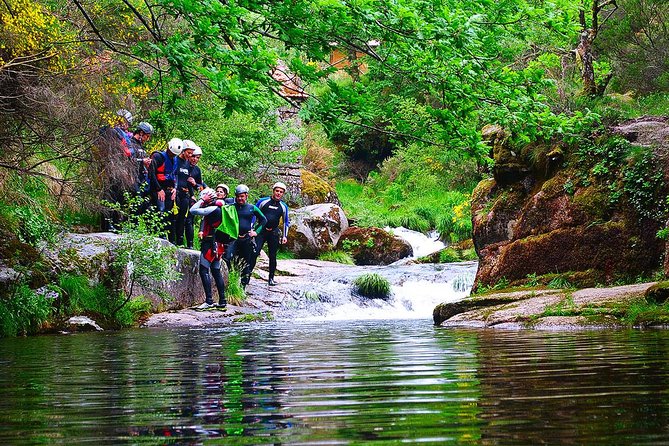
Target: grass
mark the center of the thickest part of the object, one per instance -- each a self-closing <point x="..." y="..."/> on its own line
<point x="79" y="297"/>
<point x="337" y="256"/>
<point x="235" y="293"/>
<point x="24" y="312"/>
<point x="373" y="286"/>
<point x="422" y="209"/>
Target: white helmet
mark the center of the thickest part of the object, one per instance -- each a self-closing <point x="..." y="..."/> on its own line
<point x="188" y="144"/>
<point x="280" y="185"/>
<point x="207" y="194"/>
<point x="125" y="114"/>
<point x="176" y="146"/>
<point x="197" y="151"/>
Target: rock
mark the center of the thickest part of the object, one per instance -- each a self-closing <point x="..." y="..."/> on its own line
<point x="316" y="190"/>
<point x="91" y="255"/>
<point x="589" y="307"/>
<point x="82" y="323"/>
<point x="315" y="229"/>
<point x="543" y="219"/>
<point x="658" y="293"/>
<point x="373" y="246"/>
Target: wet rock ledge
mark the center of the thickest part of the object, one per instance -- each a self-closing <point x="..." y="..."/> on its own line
<point x="554" y="309"/>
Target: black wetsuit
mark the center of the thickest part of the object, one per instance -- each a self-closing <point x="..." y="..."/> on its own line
<point x="250" y="217"/>
<point x="273" y="231"/>
<point x="183" y="198"/>
<point x="189" y="228"/>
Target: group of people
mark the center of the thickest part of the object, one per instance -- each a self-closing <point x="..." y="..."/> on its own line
<point x="170" y="180"/>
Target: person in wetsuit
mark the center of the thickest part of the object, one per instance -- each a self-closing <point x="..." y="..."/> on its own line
<point x="163" y="183"/>
<point x="195" y="186"/>
<point x="184" y="185"/>
<point x="244" y="247"/>
<point x="211" y="247"/>
<point x="275" y="231"/>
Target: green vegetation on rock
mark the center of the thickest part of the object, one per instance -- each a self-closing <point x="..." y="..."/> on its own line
<point x="373" y="286"/>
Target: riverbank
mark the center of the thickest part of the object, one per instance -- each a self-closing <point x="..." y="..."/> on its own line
<point x="637" y="305"/>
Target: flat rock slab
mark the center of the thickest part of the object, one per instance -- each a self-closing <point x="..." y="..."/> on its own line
<point x="531" y="309"/>
<point x="208" y="318"/>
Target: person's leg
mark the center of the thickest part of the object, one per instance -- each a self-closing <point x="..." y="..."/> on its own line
<point x="180" y="220"/>
<point x="260" y="241"/>
<point x="272" y="250"/>
<point x="246" y="251"/>
<point x="189" y="227"/>
<point x="169" y="218"/>
<point x="220" y="283"/>
<point x="206" y="279"/>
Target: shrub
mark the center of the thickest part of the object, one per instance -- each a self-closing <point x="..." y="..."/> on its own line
<point x="373" y="286"/>
<point x="23" y="312"/>
<point x="337" y="256"/>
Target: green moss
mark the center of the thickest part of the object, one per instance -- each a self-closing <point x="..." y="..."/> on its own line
<point x="594" y="202"/>
<point x="254" y="317"/>
<point x="315" y="187"/>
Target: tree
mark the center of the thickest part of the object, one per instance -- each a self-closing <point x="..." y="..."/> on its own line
<point x="590" y="28"/>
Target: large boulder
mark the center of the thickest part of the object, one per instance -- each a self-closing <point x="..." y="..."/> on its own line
<point x="92" y="255"/>
<point x="315" y="229"/>
<point x="537" y="217"/>
<point x="374" y="246"/>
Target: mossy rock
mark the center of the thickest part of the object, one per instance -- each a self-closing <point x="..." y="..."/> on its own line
<point x="594" y="202"/>
<point x="373" y="246"/>
<point x="316" y="190"/>
<point x="658" y="293"/>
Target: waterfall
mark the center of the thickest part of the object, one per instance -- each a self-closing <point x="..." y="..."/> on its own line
<point x="422" y="244"/>
<point x="416" y="290"/>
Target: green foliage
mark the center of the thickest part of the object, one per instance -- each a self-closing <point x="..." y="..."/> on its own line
<point x="80" y="298"/>
<point x="560" y="283"/>
<point x="146" y="259"/>
<point x="255" y="317"/>
<point x="416" y="206"/>
<point x="337" y="256"/>
<point x="629" y="172"/>
<point x="23" y="312"/>
<point x="235" y="293"/>
<point x="565" y="307"/>
<point x="373" y="286"/>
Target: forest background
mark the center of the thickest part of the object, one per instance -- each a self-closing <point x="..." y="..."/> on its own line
<point x="397" y="131"/>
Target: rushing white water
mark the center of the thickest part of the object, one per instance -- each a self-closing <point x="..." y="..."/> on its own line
<point x="422" y="244"/>
<point x="416" y="290"/>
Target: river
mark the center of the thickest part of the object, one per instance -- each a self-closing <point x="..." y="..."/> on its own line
<point x="336" y="382"/>
<point x="382" y="375"/>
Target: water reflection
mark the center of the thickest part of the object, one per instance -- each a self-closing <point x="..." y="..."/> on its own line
<point x="335" y="383"/>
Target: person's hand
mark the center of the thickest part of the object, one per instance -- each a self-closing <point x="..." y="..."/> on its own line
<point x="200" y="235"/>
<point x="252" y="233"/>
<point x="161" y="195"/>
<point x="174" y="194"/>
<point x="284" y="240"/>
<point x="191" y="180"/>
<point x="147" y="162"/>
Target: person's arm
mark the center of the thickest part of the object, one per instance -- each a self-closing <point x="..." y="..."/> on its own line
<point x="197" y="208"/>
<point x="157" y="160"/>
<point x="286" y="222"/>
<point x="260" y="220"/>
